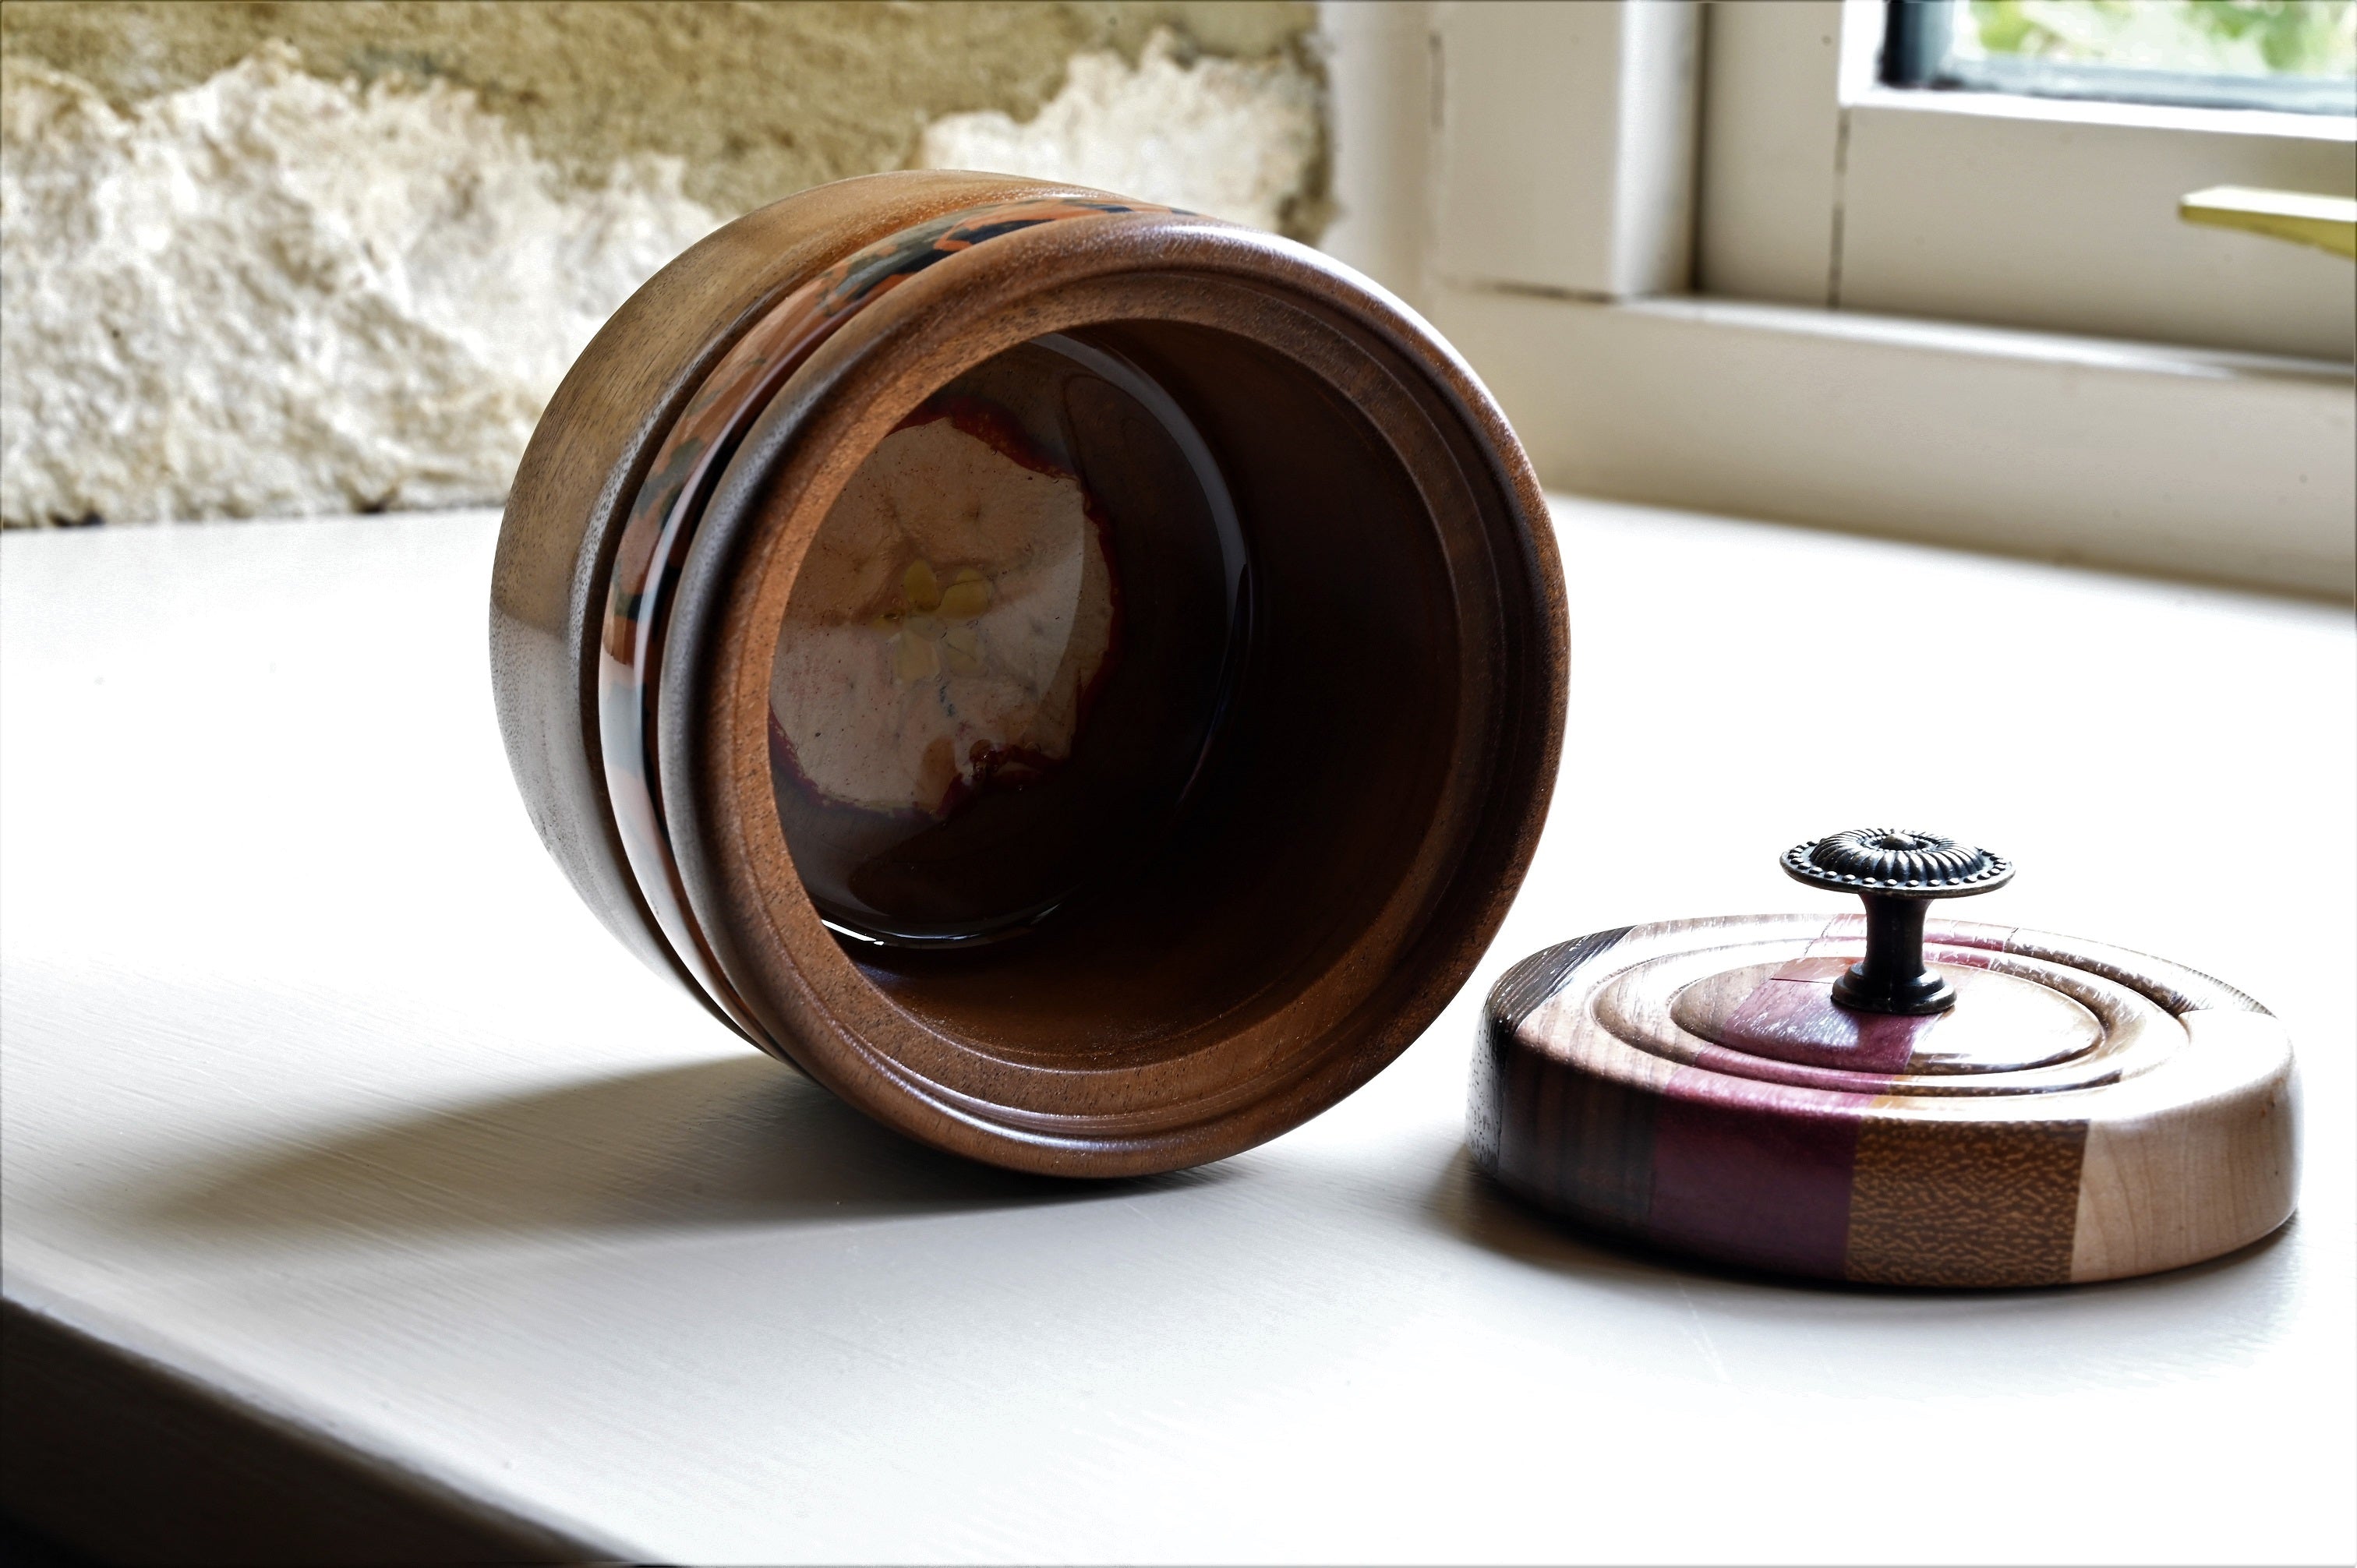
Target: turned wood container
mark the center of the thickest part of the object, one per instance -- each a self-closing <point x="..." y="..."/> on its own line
<point x="1887" y="1099"/>
<point x="1081" y="680"/>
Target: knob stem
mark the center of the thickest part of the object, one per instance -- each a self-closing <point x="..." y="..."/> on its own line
<point x="1892" y="977"/>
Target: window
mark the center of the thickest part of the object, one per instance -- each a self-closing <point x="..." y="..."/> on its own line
<point x="2294" y="55"/>
<point x="2003" y="201"/>
<point x="1842" y="349"/>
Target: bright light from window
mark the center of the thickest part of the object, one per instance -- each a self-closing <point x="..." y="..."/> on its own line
<point x="2298" y="54"/>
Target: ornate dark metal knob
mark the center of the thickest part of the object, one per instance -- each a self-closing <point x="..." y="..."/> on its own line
<point x="1898" y="873"/>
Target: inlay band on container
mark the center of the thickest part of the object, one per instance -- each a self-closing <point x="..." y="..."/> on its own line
<point x="1081" y="680"/>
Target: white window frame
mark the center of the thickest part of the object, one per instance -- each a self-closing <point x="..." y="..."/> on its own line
<point x="2036" y="212"/>
<point x="1796" y="371"/>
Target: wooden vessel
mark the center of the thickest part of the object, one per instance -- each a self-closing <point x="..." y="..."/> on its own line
<point x="2070" y="1112"/>
<point x="1082" y="681"/>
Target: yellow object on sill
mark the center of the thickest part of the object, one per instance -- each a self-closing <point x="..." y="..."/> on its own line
<point x="2328" y="222"/>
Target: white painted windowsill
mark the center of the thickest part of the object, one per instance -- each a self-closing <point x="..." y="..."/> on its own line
<point x="2180" y="462"/>
<point x="333" y="1120"/>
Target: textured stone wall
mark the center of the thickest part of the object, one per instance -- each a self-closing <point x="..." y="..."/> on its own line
<point x="263" y="259"/>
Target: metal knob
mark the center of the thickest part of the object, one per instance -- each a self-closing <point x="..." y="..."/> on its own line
<point x="1898" y="873"/>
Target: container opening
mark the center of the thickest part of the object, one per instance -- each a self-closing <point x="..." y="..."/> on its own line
<point x="1277" y="642"/>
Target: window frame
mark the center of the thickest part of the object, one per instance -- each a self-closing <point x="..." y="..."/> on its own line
<point x="1755" y="383"/>
<point x="1821" y="185"/>
<point x="1915" y="55"/>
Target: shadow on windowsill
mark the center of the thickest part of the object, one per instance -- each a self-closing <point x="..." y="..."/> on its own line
<point x="738" y="1142"/>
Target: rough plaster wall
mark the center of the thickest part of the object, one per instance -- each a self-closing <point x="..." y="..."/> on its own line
<point x="274" y="295"/>
<point x="760" y="100"/>
<point x="1227" y="137"/>
<point x="230" y="286"/>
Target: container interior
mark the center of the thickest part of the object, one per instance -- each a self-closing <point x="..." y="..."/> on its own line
<point x="1151" y="656"/>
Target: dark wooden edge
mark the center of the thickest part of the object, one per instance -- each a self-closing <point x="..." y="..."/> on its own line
<point x="1530" y="984"/>
<point x="114" y="1453"/>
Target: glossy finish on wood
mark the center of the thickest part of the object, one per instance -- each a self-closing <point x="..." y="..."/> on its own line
<point x="1365" y="813"/>
<point x="2082" y="1113"/>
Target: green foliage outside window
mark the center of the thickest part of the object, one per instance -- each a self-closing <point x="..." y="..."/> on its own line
<point x="2240" y="37"/>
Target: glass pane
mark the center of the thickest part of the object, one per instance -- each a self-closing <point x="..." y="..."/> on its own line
<point x="2296" y="55"/>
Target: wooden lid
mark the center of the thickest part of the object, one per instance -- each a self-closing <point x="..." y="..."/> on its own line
<point x="2081" y="1113"/>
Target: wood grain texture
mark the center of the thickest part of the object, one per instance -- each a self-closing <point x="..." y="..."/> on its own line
<point x="2173" y="1177"/>
<point x="1964" y="1203"/>
<point x="1367" y="811"/>
<point x="1692" y="1085"/>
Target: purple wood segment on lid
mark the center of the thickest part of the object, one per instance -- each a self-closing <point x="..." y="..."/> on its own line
<point x="1793" y="1018"/>
<point x="1754" y="1173"/>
